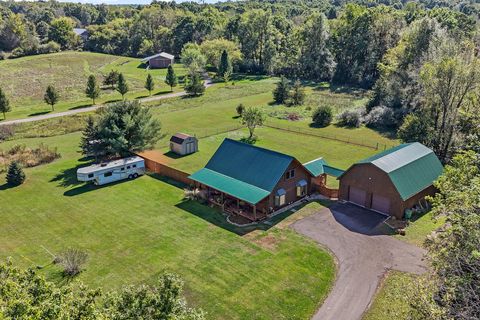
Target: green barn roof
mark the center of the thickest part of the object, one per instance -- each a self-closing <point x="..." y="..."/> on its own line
<point x="412" y="167"/>
<point x="244" y="171"/>
<point x="319" y="166"/>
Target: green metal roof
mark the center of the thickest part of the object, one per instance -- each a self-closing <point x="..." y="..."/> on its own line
<point x="315" y="167"/>
<point x="319" y="166"/>
<point x="228" y="185"/>
<point x="412" y="167"/>
<point x="331" y="171"/>
<point x="236" y="167"/>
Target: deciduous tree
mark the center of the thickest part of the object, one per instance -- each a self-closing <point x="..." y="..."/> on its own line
<point x="252" y="117"/>
<point x="111" y="79"/>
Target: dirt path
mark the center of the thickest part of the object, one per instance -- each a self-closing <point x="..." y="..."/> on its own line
<point x="363" y="257"/>
<point x="208" y="83"/>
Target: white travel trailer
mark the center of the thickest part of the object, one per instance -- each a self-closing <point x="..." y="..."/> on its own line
<point x="127" y="168"/>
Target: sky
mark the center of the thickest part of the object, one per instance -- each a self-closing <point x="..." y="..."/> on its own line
<point x="129" y="1"/>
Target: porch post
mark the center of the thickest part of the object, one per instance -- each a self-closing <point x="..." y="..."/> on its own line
<point x="255" y="212"/>
<point x="223" y="202"/>
<point x="238" y="204"/>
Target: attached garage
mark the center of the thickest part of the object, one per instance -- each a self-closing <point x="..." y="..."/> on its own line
<point x="392" y="181"/>
<point x="357" y="196"/>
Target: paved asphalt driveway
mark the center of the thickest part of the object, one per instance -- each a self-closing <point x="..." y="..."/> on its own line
<point x="363" y="255"/>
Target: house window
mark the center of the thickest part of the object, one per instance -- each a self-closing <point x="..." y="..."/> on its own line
<point x="279" y="200"/>
<point x="108" y="174"/>
<point x="90" y="175"/>
<point x="301" y="188"/>
<point x="301" y="191"/>
<point x="290" y="174"/>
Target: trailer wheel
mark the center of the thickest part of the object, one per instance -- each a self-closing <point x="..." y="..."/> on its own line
<point x="135" y="175"/>
<point x="130" y="176"/>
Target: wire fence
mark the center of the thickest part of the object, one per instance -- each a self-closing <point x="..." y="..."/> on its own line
<point x="350" y="140"/>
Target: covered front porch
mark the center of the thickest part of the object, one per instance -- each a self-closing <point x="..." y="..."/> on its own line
<point x="234" y="206"/>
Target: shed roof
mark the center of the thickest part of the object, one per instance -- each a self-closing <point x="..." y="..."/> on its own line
<point x="244" y="171"/>
<point x="161" y="54"/>
<point x="179" y="137"/>
<point x="319" y="166"/>
<point x="412" y="167"/>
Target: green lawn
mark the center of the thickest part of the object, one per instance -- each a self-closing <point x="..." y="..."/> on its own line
<point x="392" y="301"/>
<point x="25" y="80"/>
<point x="420" y="227"/>
<point x="135" y="230"/>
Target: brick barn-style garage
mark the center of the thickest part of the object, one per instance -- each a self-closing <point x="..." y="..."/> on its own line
<point x="392" y="181"/>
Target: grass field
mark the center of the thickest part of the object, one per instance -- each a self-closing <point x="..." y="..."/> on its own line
<point x="24" y="80"/>
<point x="135" y="230"/>
<point x="392" y="301"/>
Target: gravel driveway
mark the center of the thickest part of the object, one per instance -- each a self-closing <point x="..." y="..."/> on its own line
<point x="208" y="83"/>
<point x="363" y="256"/>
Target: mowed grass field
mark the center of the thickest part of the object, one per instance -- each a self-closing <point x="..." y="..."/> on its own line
<point x="25" y="79"/>
<point x="135" y="230"/>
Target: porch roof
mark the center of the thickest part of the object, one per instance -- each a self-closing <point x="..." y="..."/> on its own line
<point x="233" y="187"/>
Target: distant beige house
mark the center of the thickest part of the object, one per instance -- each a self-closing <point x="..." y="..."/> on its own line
<point x="82" y="33"/>
<point x="160" y="60"/>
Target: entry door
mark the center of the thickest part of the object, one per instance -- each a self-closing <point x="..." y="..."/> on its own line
<point x="381" y="204"/>
<point x="357" y="196"/>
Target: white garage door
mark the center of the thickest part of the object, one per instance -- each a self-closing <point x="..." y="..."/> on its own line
<point x="381" y="204"/>
<point x="357" y="196"/>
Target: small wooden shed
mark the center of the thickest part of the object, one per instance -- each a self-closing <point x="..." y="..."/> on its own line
<point x="183" y="144"/>
<point x="160" y="60"/>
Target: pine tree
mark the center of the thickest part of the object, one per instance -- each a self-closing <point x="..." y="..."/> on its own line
<point x="122" y="85"/>
<point x="149" y="84"/>
<point x="225" y="66"/>
<point x="4" y="103"/>
<point x="93" y="90"/>
<point x="281" y="92"/>
<point x="51" y="96"/>
<point x="171" y="79"/>
<point x="15" y="174"/>
<point x="90" y="142"/>
<point x="298" y="94"/>
<point x="195" y="85"/>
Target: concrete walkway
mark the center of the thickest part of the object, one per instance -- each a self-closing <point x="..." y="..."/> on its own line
<point x="363" y="256"/>
<point x="208" y="83"/>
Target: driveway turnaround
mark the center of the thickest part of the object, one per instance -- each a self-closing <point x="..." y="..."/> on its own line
<point x="363" y="253"/>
